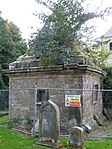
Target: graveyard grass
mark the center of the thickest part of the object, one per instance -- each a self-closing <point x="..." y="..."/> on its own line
<point x="4" y="118"/>
<point x="10" y="139"/>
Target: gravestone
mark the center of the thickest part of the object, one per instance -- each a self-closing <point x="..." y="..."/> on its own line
<point x="76" y="138"/>
<point x="76" y="130"/>
<point x="49" y="123"/>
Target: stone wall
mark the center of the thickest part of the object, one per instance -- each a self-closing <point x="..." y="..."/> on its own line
<point x="91" y="107"/>
<point x="22" y="101"/>
<point x="71" y="77"/>
<point x="24" y="79"/>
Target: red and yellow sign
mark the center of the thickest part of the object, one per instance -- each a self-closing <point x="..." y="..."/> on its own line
<point x="72" y="100"/>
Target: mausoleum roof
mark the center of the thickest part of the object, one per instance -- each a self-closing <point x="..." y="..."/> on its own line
<point x="26" y="64"/>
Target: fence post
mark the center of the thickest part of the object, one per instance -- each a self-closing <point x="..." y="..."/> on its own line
<point x="35" y="110"/>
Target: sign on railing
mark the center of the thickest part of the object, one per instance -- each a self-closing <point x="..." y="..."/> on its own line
<point x="72" y="101"/>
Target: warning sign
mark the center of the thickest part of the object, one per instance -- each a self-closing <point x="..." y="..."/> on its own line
<point x="72" y="100"/>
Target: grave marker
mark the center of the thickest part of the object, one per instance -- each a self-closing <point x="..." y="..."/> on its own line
<point x="75" y="121"/>
<point x="76" y="138"/>
<point x="49" y="123"/>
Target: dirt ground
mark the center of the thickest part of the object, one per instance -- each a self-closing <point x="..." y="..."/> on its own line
<point x="102" y="131"/>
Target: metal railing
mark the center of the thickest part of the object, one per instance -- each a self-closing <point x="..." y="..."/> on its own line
<point x="4" y="99"/>
<point x="4" y="95"/>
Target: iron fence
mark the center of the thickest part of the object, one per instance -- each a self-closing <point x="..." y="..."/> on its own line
<point x="33" y="93"/>
<point x="4" y="99"/>
<point x="27" y="99"/>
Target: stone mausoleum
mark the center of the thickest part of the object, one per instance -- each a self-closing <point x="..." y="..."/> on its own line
<point x="25" y="74"/>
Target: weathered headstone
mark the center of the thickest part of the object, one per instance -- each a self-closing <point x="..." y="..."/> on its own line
<point x="49" y="123"/>
<point x="76" y="130"/>
<point x="76" y="138"/>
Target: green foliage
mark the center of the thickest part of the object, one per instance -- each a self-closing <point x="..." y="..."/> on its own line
<point x="29" y="123"/>
<point x="12" y="140"/>
<point x="62" y="30"/>
<point x="4" y="119"/>
<point x="97" y="56"/>
<point x="4" y="111"/>
<point x="101" y="144"/>
<point x="107" y="79"/>
<point x="16" y="119"/>
<point x="10" y="126"/>
<point x="107" y="84"/>
<point x="64" y="141"/>
<point x="2" y="85"/>
<point x="11" y="46"/>
<point x="26" y="122"/>
<point x="11" y="43"/>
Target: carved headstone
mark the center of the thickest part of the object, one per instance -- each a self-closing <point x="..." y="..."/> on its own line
<point x="49" y="123"/>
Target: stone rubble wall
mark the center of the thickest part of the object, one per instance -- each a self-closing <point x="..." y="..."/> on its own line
<point x="22" y="101"/>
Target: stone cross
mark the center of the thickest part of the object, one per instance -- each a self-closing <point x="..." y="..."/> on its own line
<point x="49" y="122"/>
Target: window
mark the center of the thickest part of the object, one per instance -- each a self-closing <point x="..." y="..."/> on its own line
<point x="95" y="93"/>
<point x="42" y="95"/>
<point x="110" y="45"/>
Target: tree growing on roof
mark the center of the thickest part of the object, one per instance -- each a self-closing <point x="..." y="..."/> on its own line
<point x="62" y="31"/>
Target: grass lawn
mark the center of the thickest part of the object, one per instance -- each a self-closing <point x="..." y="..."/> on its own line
<point x="4" y="111"/>
<point x="98" y="144"/>
<point x="4" y="119"/>
<point x="12" y="140"/>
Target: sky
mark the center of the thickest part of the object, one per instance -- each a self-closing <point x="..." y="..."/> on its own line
<point x="20" y="12"/>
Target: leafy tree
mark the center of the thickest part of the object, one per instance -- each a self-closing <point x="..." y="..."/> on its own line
<point x="61" y="34"/>
<point x="11" y="46"/>
<point x="107" y="84"/>
<point x="107" y="79"/>
<point x="98" y="55"/>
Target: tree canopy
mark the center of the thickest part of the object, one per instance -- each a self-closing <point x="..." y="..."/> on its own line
<point x="11" y="43"/>
<point x="98" y="55"/>
<point x="62" y="31"/>
<point x="11" y="46"/>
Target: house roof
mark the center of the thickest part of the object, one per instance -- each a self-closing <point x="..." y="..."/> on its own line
<point x="108" y="33"/>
